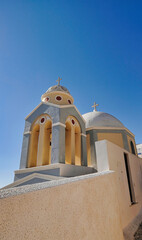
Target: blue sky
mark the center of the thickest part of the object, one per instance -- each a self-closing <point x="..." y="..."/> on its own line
<point x="95" y="46"/>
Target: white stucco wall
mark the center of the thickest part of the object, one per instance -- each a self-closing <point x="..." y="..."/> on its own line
<point x="79" y="208"/>
<point x="111" y="157"/>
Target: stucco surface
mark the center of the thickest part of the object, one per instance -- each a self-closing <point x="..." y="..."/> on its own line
<point x="58" y="115"/>
<point x="111" y="157"/>
<point x="79" y="210"/>
<point x="115" y="138"/>
<point x="101" y="119"/>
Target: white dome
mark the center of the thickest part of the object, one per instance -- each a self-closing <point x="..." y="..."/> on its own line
<point x="58" y="88"/>
<point x="100" y="119"/>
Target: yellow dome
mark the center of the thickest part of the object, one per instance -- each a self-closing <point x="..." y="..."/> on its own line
<point x="58" y="95"/>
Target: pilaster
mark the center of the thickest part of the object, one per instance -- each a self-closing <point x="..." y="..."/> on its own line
<point x="83" y="151"/>
<point x="58" y="144"/>
<point x="25" y="149"/>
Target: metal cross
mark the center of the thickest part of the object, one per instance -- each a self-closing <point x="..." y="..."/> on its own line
<point x="95" y="105"/>
<point x="59" y="79"/>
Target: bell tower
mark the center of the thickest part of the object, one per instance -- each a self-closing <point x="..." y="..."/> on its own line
<point x="54" y="140"/>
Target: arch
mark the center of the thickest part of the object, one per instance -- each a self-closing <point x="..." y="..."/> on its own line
<point x="132" y="147"/>
<point x="68" y="143"/>
<point x="89" y="164"/>
<point x="33" y="149"/>
<point x="40" y="141"/>
<point x="47" y="142"/>
<point x="72" y="141"/>
<point x="77" y="146"/>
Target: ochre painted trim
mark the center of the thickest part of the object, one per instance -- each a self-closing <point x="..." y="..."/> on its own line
<point x="56" y="92"/>
<point x="111" y="128"/>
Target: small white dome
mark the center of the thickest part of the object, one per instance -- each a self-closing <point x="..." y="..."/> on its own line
<point x="58" y="88"/>
<point x="100" y="119"/>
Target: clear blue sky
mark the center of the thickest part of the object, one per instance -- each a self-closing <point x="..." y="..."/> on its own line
<point x="95" y="46"/>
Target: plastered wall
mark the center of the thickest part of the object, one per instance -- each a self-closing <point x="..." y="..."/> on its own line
<point x="86" y="209"/>
<point x="64" y="98"/>
<point x="112" y="137"/>
<point x="111" y="157"/>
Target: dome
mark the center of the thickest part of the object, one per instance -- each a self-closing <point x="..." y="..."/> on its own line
<point x="57" y="95"/>
<point x="101" y="119"/>
<point x="57" y="88"/>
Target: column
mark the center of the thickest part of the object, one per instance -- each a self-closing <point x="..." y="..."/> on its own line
<point x="93" y="139"/>
<point x="25" y="150"/>
<point x="77" y="149"/>
<point x="83" y="151"/>
<point x="72" y="145"/>
<point x="68" y="146"/>
<point x="40" y="145"/>
<point x="58" y="143"/>
<point x="125" y="141"/>
<point x="46" y="147"/>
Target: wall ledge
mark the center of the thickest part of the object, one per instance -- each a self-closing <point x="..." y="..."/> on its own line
<point x="5" y="193"/>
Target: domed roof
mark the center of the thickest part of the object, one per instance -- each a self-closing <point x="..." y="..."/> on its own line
<point x="58" y="95"/>
<point x="101" y="119"/>
<point x="58" y="88"/>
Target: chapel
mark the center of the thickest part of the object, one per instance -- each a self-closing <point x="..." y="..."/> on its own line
<point x="59" y="142"/>
<point x="80" y="176"/>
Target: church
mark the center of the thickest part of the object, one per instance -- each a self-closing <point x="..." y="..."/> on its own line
<point x="79" y="177"/>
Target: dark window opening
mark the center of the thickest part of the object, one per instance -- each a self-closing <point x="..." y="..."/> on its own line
<point x="129" y="179"/>
<point x="132" y="147"/>
<point x="73" y="122"/>
<point x="58" y="98"/>
<point x="42" y="120"/>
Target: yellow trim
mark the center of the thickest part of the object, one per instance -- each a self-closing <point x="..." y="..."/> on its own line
<point x="33" y="148"/>
<point x="52" y="97"/>
<point x="115" y="138"/>
<point x="72" y="142"/>
<point x="40" y="139"/>
<point x="111" y="128"/>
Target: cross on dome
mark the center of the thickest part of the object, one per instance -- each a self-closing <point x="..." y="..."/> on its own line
<point x="94" y="106"/>
<point x="58" y="80"/>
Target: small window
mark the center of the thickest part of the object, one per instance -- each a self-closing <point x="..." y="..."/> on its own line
<point x="69" y="101"/>
<point x="47" y="99"/>
<point x="73" y="122"/>
<point x="58" y="98"/>
<point x="42" y="120"/>
<point x="132" y="147"/>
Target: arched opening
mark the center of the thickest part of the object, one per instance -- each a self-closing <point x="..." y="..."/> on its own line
<point x="132" y="147"/>
<point x="47" y="142"/>
<point x="77" y="146"/>
<point x="88" y="150"/>
<point x="68" y="143"/>
<point x="72" y="142"/>
<point x="32" y="161"/>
